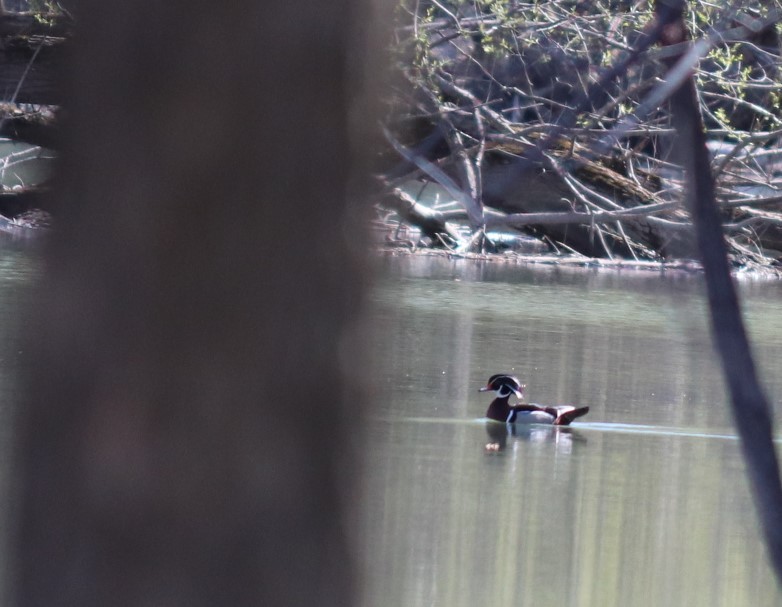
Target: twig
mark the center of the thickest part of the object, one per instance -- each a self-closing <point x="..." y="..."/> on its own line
<point x="450" y="186"/>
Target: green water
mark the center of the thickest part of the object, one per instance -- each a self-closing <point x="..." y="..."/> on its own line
<point x="18" y="267"/>
<point x="644" y="502"/>
<point x="641" y="503"/>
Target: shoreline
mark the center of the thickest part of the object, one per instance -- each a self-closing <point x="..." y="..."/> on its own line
<point x="577" y="262"/>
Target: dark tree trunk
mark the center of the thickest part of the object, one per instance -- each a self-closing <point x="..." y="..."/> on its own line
<point x="751" y="410"/>
<point x="185" y="439"/>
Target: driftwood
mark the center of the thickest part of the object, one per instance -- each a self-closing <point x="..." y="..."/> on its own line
<point x="513" y="138"/>
<point x="31" y="59"/>
<point x="432" y="224"/>
<point x="29" y="124"/>
<point x="586" y="195"/>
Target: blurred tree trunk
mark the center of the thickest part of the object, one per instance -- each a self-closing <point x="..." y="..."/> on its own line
<point x="185" y="440"/>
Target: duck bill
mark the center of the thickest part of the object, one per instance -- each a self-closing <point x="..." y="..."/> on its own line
<point x="484" y="389"/>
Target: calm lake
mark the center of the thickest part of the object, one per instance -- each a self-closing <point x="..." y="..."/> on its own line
<point x="641" y="502"/>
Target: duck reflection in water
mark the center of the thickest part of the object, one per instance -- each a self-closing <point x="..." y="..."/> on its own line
<point x="563" y="437"/>
<point x="536" y="423"/>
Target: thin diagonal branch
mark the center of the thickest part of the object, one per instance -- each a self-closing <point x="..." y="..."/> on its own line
<point x="750" y="407"/>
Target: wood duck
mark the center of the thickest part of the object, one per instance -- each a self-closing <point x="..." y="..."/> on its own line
<point x="502" y="411"/>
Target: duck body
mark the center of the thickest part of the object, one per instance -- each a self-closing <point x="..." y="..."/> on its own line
<point x="501" y="410"/>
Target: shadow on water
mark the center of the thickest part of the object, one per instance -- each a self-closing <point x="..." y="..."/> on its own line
<point x="643" y="502"/>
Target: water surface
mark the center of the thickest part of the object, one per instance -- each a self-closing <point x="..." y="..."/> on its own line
<point x="18" y="267"/>
<point x="642" y="502"/>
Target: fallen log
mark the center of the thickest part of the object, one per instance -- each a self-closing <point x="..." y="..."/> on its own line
<point x="432" y="224"/>
<point x="34" y="125"/>
<point x="534" y="122"/>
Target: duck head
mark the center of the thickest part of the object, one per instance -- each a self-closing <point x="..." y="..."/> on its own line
<point x="504" y="385"/>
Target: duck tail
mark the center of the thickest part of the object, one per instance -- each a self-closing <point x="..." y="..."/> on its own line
<point x="564" y="418"/>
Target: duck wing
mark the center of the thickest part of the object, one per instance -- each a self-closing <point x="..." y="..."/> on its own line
<point x="562" y="414"/>
<point x="566" y="414"/>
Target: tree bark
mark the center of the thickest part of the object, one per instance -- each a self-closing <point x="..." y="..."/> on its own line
<point x="192" y="392"/>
